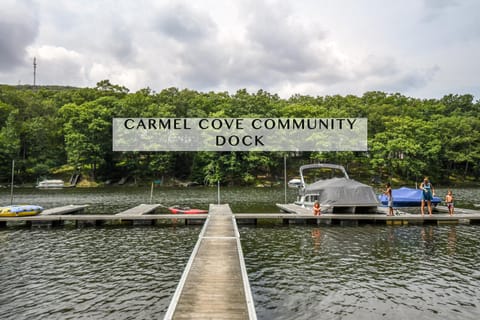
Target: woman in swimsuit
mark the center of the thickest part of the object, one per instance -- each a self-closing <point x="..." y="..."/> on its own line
<point x="427" y="195"/>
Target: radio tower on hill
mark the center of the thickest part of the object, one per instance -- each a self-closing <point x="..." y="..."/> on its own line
<point x="34" y="71"/>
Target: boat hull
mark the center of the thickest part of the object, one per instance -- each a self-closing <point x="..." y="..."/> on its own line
<point x="51" y="184"/>
<point x="406" y="197"/>
<point x="341" y="208"/>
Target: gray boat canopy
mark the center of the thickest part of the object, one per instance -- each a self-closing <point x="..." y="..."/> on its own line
<point x="343" y="192"/>
<point x="336" y="191"/>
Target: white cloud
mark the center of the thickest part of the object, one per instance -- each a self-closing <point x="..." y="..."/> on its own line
<point x="128" y="77"/>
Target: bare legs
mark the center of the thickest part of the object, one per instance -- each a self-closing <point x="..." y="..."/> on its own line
<point x="429" y="205"/>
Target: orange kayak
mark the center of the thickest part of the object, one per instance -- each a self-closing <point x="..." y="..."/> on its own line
<point x="180" y="210"/>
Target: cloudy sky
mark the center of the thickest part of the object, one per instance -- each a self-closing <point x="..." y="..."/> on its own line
<point x="420" y="48"/>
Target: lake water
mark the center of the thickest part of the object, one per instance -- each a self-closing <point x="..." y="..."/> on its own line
<point x="104" y="273"/>
<point x="296" y="271"/>
<point x="368" y="272"/>
<point x="115" y="199"/>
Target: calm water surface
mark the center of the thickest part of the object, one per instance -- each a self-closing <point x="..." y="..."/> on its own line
<point x="87" y="273"/>
<point x="369" y="272"/>
<point x="115" y="199"/>
<point x="296" y="272"/>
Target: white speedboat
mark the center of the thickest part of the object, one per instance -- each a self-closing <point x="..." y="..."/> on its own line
<point x="330" y="185"/>
<point x="51" y="184"/>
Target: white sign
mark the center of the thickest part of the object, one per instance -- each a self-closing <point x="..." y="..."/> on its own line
<point x="239" y="134"/>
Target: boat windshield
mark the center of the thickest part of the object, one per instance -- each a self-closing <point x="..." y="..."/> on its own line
<point x="314" y="174"/>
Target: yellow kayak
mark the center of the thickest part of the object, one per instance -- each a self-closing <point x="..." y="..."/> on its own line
<point x="20" y="211"/>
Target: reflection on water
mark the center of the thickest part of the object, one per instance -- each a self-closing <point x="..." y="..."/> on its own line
<point x="300" y="272"/>
<point x="106" y="273"/>
<point x="296" y="272"/>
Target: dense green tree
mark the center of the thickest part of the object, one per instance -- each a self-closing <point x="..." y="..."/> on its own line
<point x="9" y="140"/>
<point x="87" y="131"/>
<point x="45" y="128"/>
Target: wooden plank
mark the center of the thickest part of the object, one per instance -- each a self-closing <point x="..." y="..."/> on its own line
<point x="460" y="214"/>
<point x="214" y="284"/>
<point x="139" y="210"/>
<point x="293" y="208"/>
<point x="359" y="217"/>
<point x="105" y="217"/>
<point x="64" y="210"/>
<point x="246" y="216"/>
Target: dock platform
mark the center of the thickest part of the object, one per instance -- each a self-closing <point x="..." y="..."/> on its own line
<point x="59" y="216"/>
<point x="214" y="284"/>
<point x="72" y="208"/>
<point x="139" y="210"/>
<point x="440" y="216"/>
<point x="292" y="208"/>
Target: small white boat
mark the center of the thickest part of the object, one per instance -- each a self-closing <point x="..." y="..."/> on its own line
<point x="330" y="185"/>
<point x="51" y="184"/>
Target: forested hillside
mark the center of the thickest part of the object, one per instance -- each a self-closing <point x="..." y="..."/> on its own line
<point x="52" y="130"/>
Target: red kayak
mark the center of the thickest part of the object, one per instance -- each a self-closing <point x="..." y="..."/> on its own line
<point x="180" y="210"/>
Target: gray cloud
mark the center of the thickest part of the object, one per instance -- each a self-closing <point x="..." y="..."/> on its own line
<point x="183" y="23"/>
<point x="276" y="50"/>
<point x="407" y="80"/>
<point x="274" y="45"/>
<point x="18" y="29"/>
<point x="439" y="4"/>
<point x="285" y="48"/>
<point x="121" y="44"/>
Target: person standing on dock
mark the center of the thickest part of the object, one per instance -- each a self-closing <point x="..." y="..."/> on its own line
<point x="427" y="195"/>
<point x="316" y="209"/>
<point x="388" y="193"/>
<point x="449" y="200"/>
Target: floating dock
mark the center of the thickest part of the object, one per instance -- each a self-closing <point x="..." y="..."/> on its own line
<point x="214" y="284"/>
<point x="59" y="216"/>
<point x="440" y="216"/>
<point x="293" y="208"/>
<point x="73" y="208"/>
<point x="139" y="210"/>
<point x="100" y="219"/>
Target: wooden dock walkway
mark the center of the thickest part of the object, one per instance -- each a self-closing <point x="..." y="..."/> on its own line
<point x="292" y="208"/>
<point x="139" y="210"/>
<point x="72" y="208"/>
<point x="214" y="284"/>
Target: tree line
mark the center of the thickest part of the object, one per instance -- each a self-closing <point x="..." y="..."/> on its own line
<point x="52" y="130"/>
